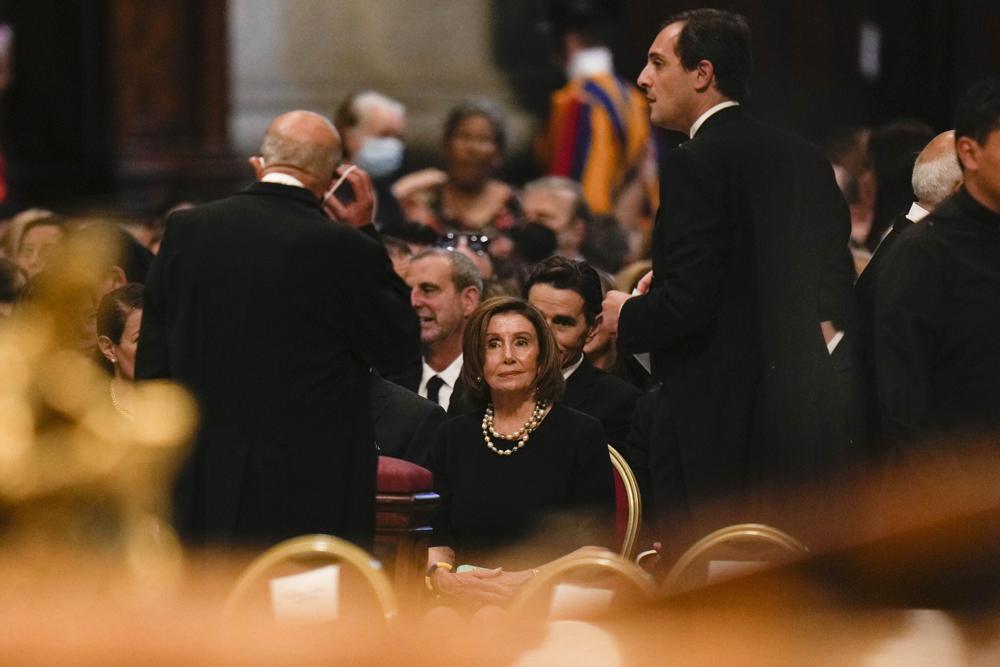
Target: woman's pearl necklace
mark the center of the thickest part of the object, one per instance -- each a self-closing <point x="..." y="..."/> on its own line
<point x="521" y="434"/>
<point x="118" y="406"/>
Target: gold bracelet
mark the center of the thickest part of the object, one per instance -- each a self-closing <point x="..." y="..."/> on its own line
<point x="427" y="575"/>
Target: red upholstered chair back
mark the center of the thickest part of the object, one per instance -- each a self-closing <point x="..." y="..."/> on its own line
<point x="399" y="476"/>
<point x="404" y="502"/>
<point x="628" y="504"/>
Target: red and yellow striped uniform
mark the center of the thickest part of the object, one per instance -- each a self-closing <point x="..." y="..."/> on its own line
<point x="598" y="134"/>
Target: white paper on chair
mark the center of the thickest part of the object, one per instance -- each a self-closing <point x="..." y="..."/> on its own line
<point x="310" y="597"/>
<point x="720" y="570"/>
<point x="569" y="601"/>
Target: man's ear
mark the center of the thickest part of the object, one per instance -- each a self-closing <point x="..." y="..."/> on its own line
<point x="968" y="152"/>
<point x="257" y="164"/>
<point x="592" y="330"/>
<point x="470" y="300"/>
<point x="704" y="75"/>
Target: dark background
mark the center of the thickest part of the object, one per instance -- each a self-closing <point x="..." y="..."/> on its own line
<point x="123" y="104"/>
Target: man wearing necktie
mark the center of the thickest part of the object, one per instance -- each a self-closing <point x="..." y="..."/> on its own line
<point x="445" y="287"/>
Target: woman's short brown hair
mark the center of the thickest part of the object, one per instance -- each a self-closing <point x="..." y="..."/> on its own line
<point x="549" y="381"/>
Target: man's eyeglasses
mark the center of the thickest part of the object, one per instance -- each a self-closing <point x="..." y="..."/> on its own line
<point x="478" y="243"/>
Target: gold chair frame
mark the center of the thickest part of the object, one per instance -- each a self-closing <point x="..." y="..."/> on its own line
<point x="633" y="498"/>
<point x="322" y="545"/>
<point x="604" y="559"/>
<point x="743" y="531"/>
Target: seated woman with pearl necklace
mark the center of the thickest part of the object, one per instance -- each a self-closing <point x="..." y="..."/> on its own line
<point x="523" y="480"/>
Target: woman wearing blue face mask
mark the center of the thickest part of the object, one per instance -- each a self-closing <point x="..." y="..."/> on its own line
<point x="371" y="127"/>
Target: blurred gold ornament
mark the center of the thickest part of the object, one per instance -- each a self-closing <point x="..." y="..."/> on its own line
<point x="77" y="476"/>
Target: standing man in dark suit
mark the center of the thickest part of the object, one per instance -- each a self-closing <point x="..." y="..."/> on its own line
<point x="568" y="293"/>
<point x="936" y="176"/>
<point x="937" y="320"/>
<point x="271" y="314"/>
<point x="750" y="292"/>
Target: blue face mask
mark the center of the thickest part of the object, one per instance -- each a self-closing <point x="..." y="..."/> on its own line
<point x="380" y="156"/>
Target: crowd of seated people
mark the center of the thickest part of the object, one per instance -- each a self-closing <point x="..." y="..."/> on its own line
<point x="520" y="387"/>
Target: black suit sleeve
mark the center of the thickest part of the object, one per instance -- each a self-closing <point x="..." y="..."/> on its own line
<point x="692" y="254"/>
<point x="152" y="358"/>
<point x="909" y="303"/>
<point x="635" y="447"/>
<point x="418" y="449"/>
<point x="837" y="281"/>
<point x="617" y="420"/>
<point x="384" y="327"/>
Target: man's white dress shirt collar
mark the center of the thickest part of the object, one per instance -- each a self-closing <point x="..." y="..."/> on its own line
<point x="917" y="213"/>
<point x="282" y="179"/>
<point x="569" y="370"/>
<point x="705" y="116"/>
<point x="448" y="375"/>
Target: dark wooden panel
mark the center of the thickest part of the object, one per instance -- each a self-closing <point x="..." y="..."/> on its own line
<point x="170" y="116"/>
<point x="55" y="113"/>
<point x="118" y="102"/>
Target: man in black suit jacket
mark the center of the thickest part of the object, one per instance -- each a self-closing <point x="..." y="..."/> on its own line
<point x="750" y="290"/>
<point x="569" y="295"/>
<point x="271" y="314"/>
<point x="937" y="324"/>
<point x="936" y="176"/>
<point x="404" y="422"/>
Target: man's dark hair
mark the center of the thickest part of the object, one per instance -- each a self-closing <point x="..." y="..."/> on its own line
<point x="562" y="273"/>
<point x="978" y="112"/>
<point x="396" y="247"/>
<point x="723" y="39"/>
<point x="411" y="232"/>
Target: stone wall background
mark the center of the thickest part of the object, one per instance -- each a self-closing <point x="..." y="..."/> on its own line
<point x="429" y="54"/>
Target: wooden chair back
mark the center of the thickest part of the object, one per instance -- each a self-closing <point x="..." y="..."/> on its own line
<point x="628" y="504"/>
<point x="325" y="547"/>
<point x="742" y="548"/>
